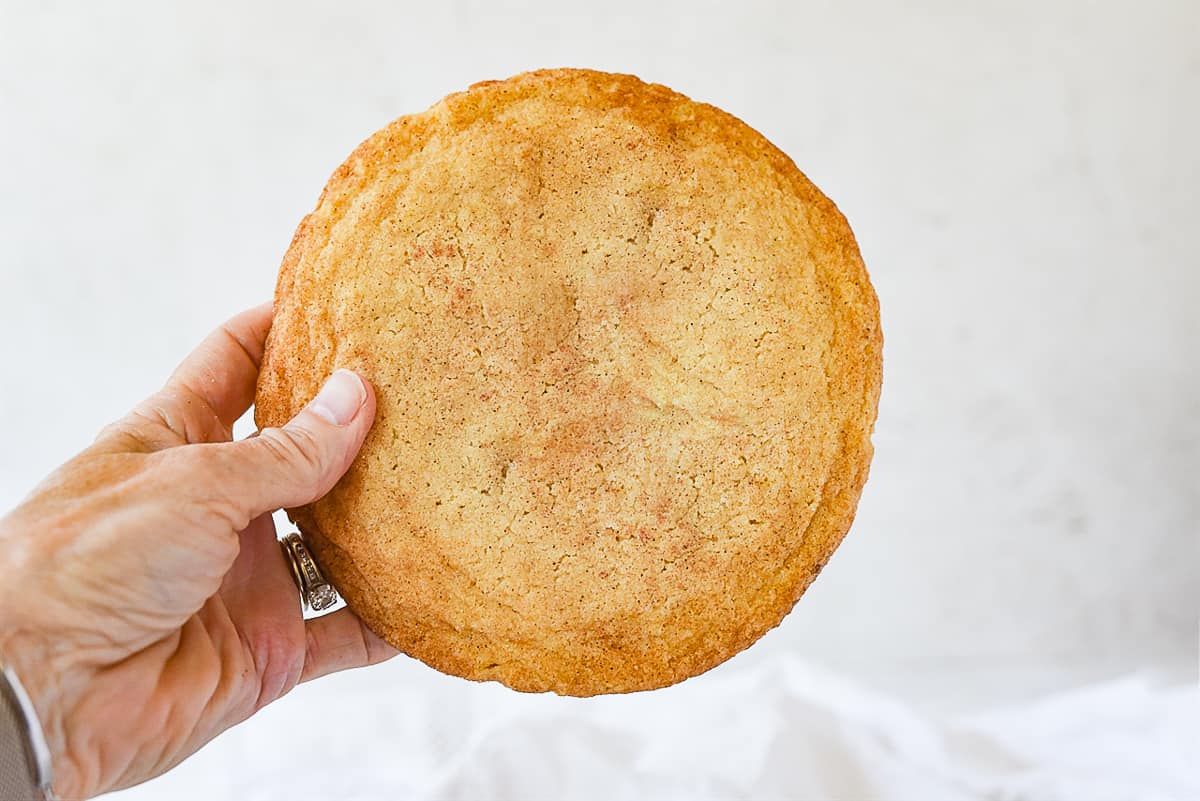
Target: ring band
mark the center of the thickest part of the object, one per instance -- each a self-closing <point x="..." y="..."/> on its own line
<point x="315" y="591"/>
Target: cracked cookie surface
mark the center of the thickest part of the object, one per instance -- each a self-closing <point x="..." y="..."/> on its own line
<point x="627" y="361"/>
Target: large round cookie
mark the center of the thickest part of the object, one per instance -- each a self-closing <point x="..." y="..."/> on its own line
<point x="627" y="361"/>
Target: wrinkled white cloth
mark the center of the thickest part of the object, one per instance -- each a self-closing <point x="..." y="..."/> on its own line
<point x="780" y="729"/>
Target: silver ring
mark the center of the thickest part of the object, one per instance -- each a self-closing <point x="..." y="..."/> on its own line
<point x="315" y="591"/>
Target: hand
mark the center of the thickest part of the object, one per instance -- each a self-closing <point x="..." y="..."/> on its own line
<point x="145" y="604"/>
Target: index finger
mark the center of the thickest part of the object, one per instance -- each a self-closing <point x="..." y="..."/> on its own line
<point x="223" y="370"/>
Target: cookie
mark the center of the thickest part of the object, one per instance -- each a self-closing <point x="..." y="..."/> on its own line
<point x="627" y="361"/>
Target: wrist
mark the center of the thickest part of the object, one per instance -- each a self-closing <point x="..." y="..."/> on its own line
<point x="43" y="677"/>
<point x="25" y="770"/>
<point x="37" y="681"/>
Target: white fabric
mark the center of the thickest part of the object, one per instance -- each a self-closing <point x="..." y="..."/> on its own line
<point x="781" y="729"/>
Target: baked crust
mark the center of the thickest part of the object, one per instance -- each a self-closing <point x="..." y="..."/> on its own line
<point x="627" y="361"/>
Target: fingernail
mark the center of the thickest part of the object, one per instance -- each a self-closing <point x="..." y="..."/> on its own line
<point x="340" y="399"/>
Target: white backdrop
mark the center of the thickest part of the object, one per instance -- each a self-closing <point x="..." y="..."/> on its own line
<point x="1022" y="180"/>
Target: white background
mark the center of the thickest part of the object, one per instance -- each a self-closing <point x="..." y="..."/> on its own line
<point x="1022" y="178"/>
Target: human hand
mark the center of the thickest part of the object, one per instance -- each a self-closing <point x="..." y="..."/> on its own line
<point x="146" y="605"/>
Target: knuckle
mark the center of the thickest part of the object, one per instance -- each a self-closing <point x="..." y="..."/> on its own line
<point x="135" y="432"/>
<point x="294" y="447"/>
<point x="185" y="466"/>
<point x="279" y="657"/>
<point x="375" y="650"/>
<point x="294" y="450"/>
<point x="312" y="645"/>
<point x="201" y="459"/>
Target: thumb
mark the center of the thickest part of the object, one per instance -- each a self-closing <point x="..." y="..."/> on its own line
<point x="300" y="462"/>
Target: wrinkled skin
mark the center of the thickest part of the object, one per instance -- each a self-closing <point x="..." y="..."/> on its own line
<point x="146" y="605"/>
